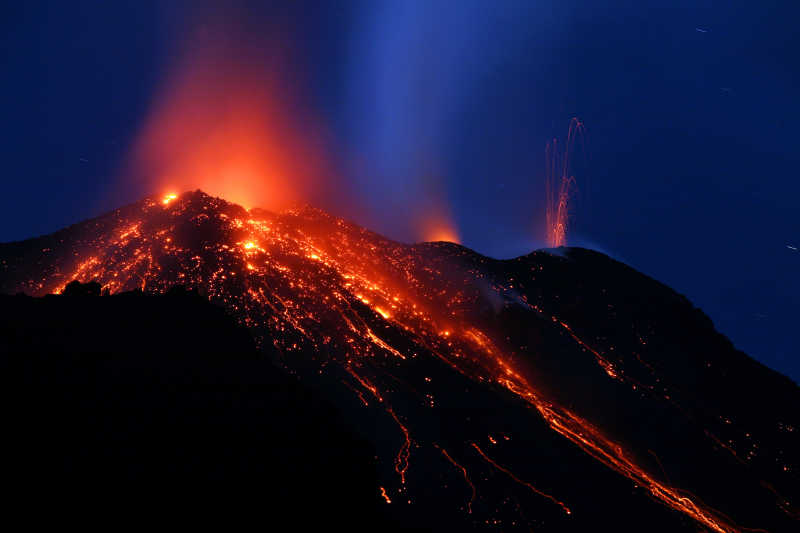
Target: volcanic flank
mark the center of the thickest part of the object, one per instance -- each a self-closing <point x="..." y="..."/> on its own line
<point x="550" y="392"/>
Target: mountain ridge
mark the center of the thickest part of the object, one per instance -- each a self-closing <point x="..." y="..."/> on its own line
<point x="603" y="355"/>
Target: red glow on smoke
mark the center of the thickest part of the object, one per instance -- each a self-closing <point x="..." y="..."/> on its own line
<point x="438" y="225"/>
<point x="225" y="123"/>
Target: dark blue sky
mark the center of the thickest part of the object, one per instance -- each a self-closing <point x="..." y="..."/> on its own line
<point x="691" y="171"/>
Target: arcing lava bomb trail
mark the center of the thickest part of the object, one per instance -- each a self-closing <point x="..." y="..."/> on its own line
<point x="560" y="185"/>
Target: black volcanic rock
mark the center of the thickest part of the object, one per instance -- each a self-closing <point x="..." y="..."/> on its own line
<point x="140" y="409"/>
<point x="559" y="391"/>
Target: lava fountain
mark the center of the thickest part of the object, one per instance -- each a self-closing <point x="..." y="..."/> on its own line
<point x="560" y="185"/>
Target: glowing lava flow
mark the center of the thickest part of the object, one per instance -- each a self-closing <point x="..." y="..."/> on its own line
<point x="559" y="186"/>
<point x="309" y="283"/>
<point x="463" y="472"/>
<point x="401" y="463"/>
<point x="518" y="480"/>
<point x="612" y="372"/>
<point x="591" y="440"/>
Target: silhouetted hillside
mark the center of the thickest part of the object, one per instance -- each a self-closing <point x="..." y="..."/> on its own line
<point x="139" y="408"/>
<point x="558" y="391"/>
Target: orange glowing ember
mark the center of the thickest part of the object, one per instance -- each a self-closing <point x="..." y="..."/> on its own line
<point x="168" y="198"/>
<point x="438" y="225"/>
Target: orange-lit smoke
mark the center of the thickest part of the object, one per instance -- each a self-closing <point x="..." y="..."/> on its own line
<point x="438" y="225"/>
<point x="230" y="119"/>
<point x="432" y="215"/>
<point x="223" y="122"/>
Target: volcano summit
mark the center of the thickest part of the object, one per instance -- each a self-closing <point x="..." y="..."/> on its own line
<point x="557" y="391"/>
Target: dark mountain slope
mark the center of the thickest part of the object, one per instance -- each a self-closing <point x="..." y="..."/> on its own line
<point x="557" y="391"/>
<point x="157" y="409"/>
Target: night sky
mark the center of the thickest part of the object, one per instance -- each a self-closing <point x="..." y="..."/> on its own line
<point x="691" y="109"/>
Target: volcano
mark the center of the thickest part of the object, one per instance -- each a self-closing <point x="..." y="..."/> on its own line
<point x="558" y="391"/>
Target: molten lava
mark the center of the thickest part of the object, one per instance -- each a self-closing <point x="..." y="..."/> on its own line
<point x="464" y="473"/>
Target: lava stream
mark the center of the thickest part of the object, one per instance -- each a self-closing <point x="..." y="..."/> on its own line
<point x="518" y="480"/>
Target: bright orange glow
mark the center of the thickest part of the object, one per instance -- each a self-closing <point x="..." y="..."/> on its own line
<point x="438" y="225"/>
<point x="168" y="198"/>
<point x="223" y="123"/>
<point x="249" y="245"/>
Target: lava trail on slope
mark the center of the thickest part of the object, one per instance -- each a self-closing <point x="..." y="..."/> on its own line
<point x="551" y="392"/>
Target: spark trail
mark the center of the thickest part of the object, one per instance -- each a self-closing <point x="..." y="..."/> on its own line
<point x="560" y="185"/>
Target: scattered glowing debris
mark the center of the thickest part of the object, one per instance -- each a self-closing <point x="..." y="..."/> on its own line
<point x="385" y="496"/>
